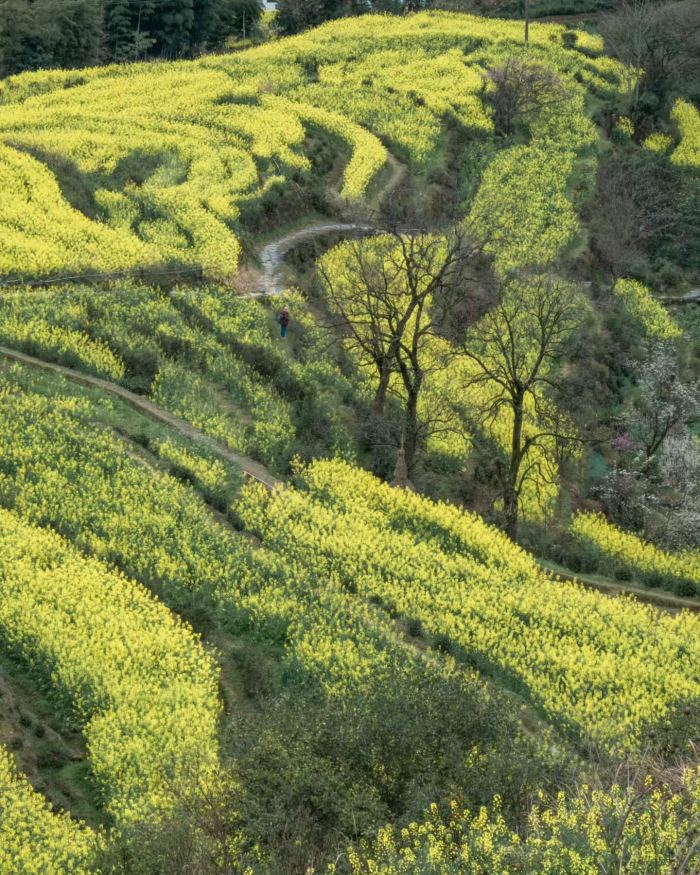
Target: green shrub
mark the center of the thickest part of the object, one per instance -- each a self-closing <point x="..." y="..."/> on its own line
<point x="685" y="588"/>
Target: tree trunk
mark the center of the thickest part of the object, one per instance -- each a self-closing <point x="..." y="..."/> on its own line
<point x="380" y="395"/>
<point x="510" y="487"/>
<point x="510" y="513"/>
<point x="527" y="21"/>
<point x="411" y="428"/>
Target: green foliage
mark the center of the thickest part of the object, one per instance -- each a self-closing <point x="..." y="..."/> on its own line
<point x="187" y="154"/>
<point x="623" y="552"/>
<point x="49" y="33"/>
<point x="207" y="355"/>
<point x="348" y="658"/>
<point x="294" y="16"/>
<point x="79" y="33"/>
<point x="359" y="613"/>
<point x="652" y="317"/>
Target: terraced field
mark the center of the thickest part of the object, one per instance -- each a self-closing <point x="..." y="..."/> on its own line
<point x="257" y="677"/>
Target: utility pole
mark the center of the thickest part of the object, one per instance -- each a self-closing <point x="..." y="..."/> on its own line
<point x="527" y="21"/>
<point x="244" y="23"/>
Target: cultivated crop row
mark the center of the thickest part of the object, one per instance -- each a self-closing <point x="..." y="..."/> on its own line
<point x="608" y="671"/>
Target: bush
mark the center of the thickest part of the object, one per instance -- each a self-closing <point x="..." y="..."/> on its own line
<point x="443" y="643"/>
<point x="686" y="588"/>
<point x="307" y="774"/>
<point x="142" y="365"/>
<point x="414" y="628"/>
<point x="654" y="580"/>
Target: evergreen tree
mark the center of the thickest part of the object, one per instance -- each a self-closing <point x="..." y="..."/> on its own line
<point x="20" y="44"/>
<point x="216" y="20"/>
<point x="79" y="33"/>
<point x="240" y="12"/>
<point x="76" y="35"/>
<point x="172" y="26"/>
<point x="119" y="31"/>
<point x="49" y="33"/>
<point x="398" y="7"/>
<point x="294" y="16"/>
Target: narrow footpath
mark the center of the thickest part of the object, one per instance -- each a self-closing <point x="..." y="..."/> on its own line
<point x="272" y="255"/>
<point x="249" y="466"/>
<point x="665" y="601"/>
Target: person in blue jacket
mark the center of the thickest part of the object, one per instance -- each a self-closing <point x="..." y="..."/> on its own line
<point x="283" y="320"/>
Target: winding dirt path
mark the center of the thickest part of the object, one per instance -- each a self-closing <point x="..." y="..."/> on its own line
<point x="399" y="171"/>
<point x="272" y="258"/>
<point x="271" y="280"/>
<point x="249" y="466"/>
<point x="658" y="598"/>
<point x="691" y="297"/>
<point x="272" y="255"/>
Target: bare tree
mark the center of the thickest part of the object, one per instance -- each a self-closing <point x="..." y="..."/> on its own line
<point x="520" y="90"/>
<point x="516" y="349"/>
<point x="637" y="204"/>
<point x="673" y="49"/>
<point x="626" y="33"/>
<point x="388" y="295"/>
<point x="658" y="42"/>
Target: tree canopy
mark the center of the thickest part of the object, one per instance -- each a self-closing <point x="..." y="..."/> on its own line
<point x="77" y="33"/>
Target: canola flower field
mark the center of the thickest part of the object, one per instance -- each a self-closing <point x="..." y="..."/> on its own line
<point x="161" y="533"/>
<point x="571" y="836"/>
<point x="218" y="132"/>
<point x="607" y="671"/>
<point x="169" y="158"/>
<point x="653" y="318"/>
<point x="185" y="350"/>
<point x="687" y="117"/>
<point x="33" y="838"/>
<point x="169" y="155"/>
<point x="154" y="713"/>
<point x="314" y="584"/>
<point x="625" y="550"/>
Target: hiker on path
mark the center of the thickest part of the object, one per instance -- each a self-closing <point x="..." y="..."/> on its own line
<point x="283" y="320"/>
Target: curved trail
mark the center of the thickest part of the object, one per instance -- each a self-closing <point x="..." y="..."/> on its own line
<point x="249" y="466"/>
<point x="398" y="173"/>
<point x="272" y="255"/>
<point x="691" y="297"/>
<point x="657" y="598"/>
